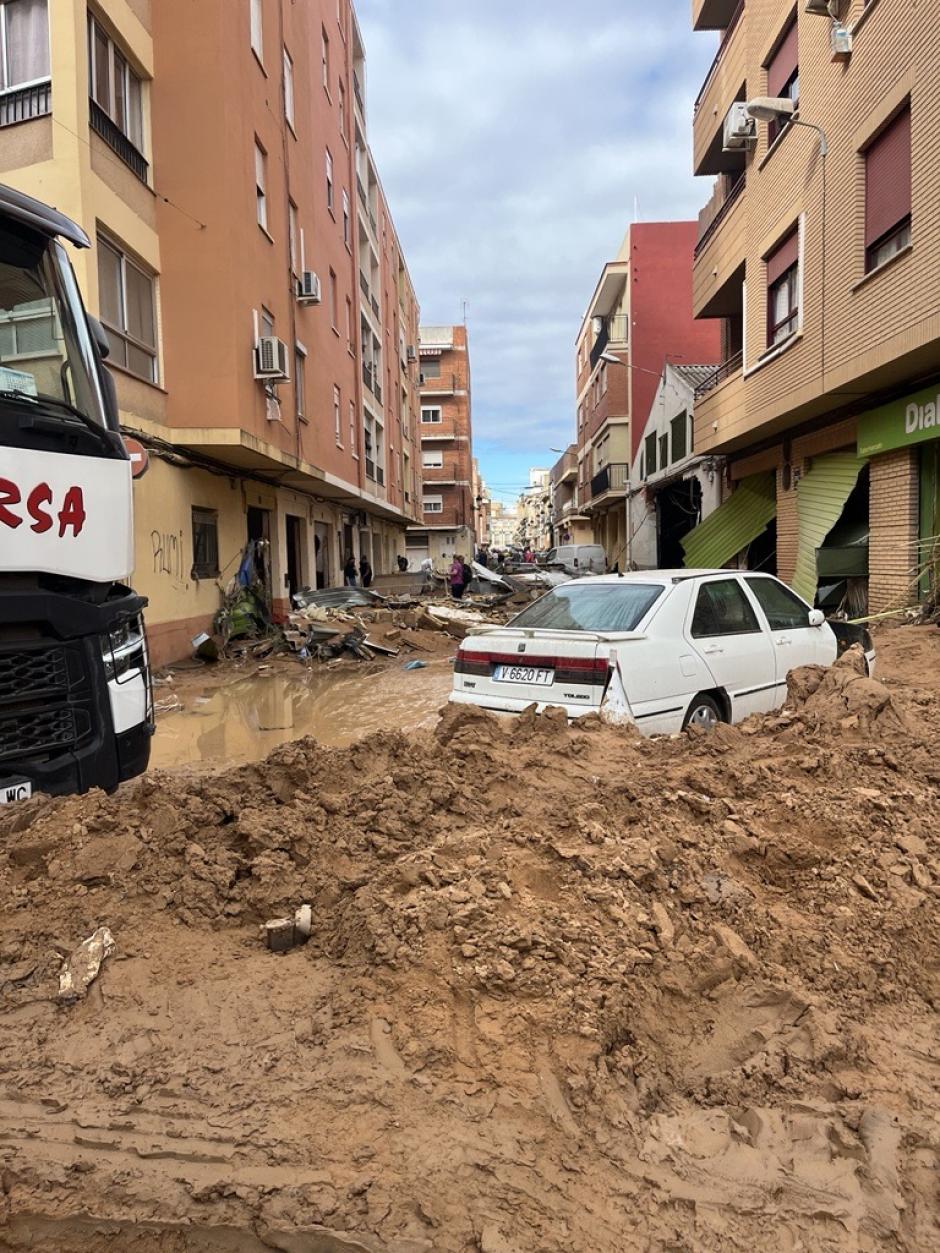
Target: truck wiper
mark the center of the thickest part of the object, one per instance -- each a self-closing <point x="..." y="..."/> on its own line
<point x="43" y="403"/>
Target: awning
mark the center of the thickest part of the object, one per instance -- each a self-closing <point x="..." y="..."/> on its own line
<point x="820" y="498"/>
<point x="735" y="524"/>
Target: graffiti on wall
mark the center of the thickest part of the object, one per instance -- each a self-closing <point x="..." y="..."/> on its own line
<point x="167" y="547"/>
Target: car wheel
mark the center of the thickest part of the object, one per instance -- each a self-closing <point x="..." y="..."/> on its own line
<point x="703" y="713"/>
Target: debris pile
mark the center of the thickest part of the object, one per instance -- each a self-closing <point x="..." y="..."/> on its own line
<point x="563" y="989"/>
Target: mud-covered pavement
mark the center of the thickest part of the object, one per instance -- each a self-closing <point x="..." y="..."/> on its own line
<point x="567" y="990"/>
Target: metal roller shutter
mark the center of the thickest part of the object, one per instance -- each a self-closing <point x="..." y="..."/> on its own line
<point x="734" y="525"/>
<point x="820" y="499"/>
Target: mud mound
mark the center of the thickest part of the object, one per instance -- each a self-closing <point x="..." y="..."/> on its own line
<point x="565" y="990"/>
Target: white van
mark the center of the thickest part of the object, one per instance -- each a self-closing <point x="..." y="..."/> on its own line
<point x="579" y="558"/>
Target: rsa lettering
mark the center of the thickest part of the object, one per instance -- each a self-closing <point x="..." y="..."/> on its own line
<point x="40" y="509"/>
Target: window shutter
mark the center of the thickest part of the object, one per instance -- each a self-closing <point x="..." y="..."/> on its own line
<point x="784" y="61"/>
<point x="780" y="260"/>
<point x="888" y="178"/>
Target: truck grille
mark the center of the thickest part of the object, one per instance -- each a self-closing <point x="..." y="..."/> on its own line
<point x="26" y="674"/>
<point x="27" y="733"/>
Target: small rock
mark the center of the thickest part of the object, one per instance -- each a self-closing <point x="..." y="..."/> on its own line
<point x="662" y="925"/>
<point x="504" y="890"/>
<point x="864" y="887"/>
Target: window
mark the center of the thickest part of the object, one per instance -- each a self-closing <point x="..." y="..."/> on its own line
<point x="205" y="544"/>
<point x="432" y="460"/>
<point x="289" y="88"/>
<point x="663" y="451"/>
<point x="888" y="191"/>
<point x="680" y="436"/>
<point x="346" y="218"/>
<point x="432" y="416"/>
<point x="24" y="40"/>
<point x="596" y="607"/>
<point x="783" y="75"/>
<point x="783" y="290"/>
<point x="127" y="305"/>
<point x="334" y="300"/>
<point x="261" y="199"/>
<point x="604" y="379"/>
<point x="784" y="610"/>
<point x="292" y="230"/>
<point x="352" y="427"/>
<point x="300" y="381"/>
<point x="325" y="58"/>
<point x="651" y="454"/>
<point x="267" y="323"/>
<point x="431" y="369"/>
<point x="723" y="609"/>
<point x="349" y="326"/>
<point x="337" y="411"/>
<point x="433" y="504"/>
<point x="342" y="107"/>
<point x="257" y="35"/>
<point x="329" y="180"/>
<point x="113" y="85"/>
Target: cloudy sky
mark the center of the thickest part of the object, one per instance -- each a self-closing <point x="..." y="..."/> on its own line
<point x="513" y="137"/>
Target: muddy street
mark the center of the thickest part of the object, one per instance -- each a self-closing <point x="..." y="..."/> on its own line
<point x="564" y="988"/>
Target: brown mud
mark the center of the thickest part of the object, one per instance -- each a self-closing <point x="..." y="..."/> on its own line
<point x="567" y="990"/>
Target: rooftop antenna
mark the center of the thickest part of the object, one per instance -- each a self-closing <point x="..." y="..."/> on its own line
<point x="465" y="306"/>
<point x="636" y="208"/>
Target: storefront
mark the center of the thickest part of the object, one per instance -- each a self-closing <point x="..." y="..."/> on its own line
<point x="909" y="429"/>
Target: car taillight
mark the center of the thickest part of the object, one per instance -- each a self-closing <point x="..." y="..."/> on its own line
<point x="472" y="663"/>
<point x="577" y="670"/>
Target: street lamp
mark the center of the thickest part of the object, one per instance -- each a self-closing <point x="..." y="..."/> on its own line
<point x="783" y="109"/>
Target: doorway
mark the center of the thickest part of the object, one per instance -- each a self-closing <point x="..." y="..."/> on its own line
<point x="259" y="533"/>
<point x="321" y="543"/>
<point x="293" y="579"/>
<point x="678" y="510"/>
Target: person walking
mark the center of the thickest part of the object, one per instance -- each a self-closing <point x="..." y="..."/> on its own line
<point x="456" y="577"/>
<point x="467" y="575"/>
<point x="349" y="571"/>
<point x="365" y="571"/>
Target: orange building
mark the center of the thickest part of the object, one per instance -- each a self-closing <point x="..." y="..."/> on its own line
<point x="262" y="323"/>
<point x="449" y="506"/>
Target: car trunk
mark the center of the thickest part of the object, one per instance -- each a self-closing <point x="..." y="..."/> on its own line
<point x="548" y="667"/>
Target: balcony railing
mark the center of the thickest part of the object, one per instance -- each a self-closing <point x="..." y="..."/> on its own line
<point x="370" y="469"/>
<point x="357" y="92"/>
<point x="117" y="141"/>
<point x="362" y="192"/>
<point x="364" y="284"/>
<point x="719" y="55"/>
<point x="380" y="476"/>
<point x="444" y="383"/>
<point x="367" y="376"/>
<point x="375" y="307"/>
<point x="23" y="103"/>
<point x="612" y="478"/>
<point x="729" y="203"/>
<point x="724" y="371"/>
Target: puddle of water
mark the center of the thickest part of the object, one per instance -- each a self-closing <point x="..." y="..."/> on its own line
<point x="244" y="720"/>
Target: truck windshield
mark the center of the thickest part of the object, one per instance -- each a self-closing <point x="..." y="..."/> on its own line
<point x="46" y="354"/>
<point x="591" y="607"/>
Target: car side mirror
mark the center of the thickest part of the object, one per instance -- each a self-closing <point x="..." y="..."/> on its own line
<point x="100" y="337"/>
<point x="817" y="618"/>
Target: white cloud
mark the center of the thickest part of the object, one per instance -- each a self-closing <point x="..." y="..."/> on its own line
<point x="511" y="145"/>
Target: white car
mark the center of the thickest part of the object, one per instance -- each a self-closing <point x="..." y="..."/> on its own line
<point x="665" y="648"/>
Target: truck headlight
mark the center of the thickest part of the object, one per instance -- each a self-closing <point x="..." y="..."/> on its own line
<point x="122" y="650"/>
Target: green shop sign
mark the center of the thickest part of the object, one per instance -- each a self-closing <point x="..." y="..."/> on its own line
<point x="911" y="420"/>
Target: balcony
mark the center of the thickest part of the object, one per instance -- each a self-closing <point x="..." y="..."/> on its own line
<point x="375" y="307"/>
<point x="720" y="255"/>
<point x="117" y="141"/>
<point x="357" y="92"/>
<point x="22" y="104"/>
<point x="713" y="14"/>
<point x="609" y="481"/>
<point x="444" y="385"/>
<point x="720" y="408"/>
<point x="565" y="469"/>
<point x="724" y="83"/>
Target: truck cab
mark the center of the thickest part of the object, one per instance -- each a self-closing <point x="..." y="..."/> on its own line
<point x="76" y="708"/>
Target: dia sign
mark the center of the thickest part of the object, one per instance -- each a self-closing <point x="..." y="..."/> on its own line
<point x="910" y="420"/>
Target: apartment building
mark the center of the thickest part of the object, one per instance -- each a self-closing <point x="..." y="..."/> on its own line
<point x="222" y="197"/>
<point x="819" y="256"/>
<point x="570" y="524"/>
<point x="504" y="526"/>
<point x="638" y="317"/>
<point x="535" y="511"/>
<point x="449" y="523"/>
<point x="482" y="505"/>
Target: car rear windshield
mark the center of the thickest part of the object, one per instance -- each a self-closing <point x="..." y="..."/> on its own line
<point x="591" y="607"/>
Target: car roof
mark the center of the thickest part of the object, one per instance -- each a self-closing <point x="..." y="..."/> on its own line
<point x="655" y="576"/>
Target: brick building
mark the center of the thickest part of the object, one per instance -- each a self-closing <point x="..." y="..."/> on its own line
<point x="446" y="431"/>
<point x="638" y="317"/>
<point x="235" y="212"/>
<point x="819" y="255"/>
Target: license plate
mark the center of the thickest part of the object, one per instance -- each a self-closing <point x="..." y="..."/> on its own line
<point x="523" y="674"/>
<point x="15" y="790"/>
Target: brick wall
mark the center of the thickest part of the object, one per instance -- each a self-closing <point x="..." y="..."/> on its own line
<point x="894" y="505"/>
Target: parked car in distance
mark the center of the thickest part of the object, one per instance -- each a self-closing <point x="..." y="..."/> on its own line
<point x="668" y="647"/>
<point x="578" y="558"/>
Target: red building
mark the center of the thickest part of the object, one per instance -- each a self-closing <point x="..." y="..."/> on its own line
<point x="640" y="316"/>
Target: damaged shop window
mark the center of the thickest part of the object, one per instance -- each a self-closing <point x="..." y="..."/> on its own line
<point x="205" y="544"/>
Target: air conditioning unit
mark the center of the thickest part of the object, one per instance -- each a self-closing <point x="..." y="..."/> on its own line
<point x="308" y="288"/>
<point x="818" y="7"/>
<point x="412" y="354"/>
<point x="739" y="129"/>
<point x="841" y="40"/>
<point x="271" y="358"/>
<point x="597" y="326"/>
